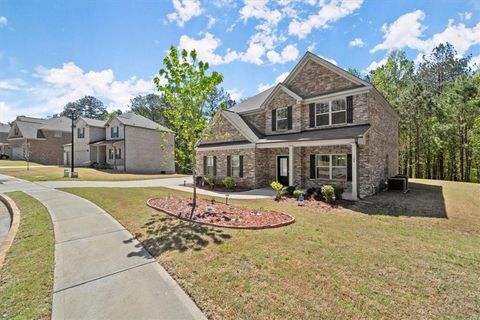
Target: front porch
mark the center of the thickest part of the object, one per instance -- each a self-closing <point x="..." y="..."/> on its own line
<point x="111" y="152"/>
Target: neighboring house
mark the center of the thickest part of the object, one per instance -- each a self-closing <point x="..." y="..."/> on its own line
<point x="42" y="139"/>
<point x="4" y="147"/>
<point x="86" y="131"/>
<point x="128" y="142"/>
<point x="321" y="125"/>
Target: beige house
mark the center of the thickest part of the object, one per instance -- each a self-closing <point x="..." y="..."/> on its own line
<point x="320" y="125"/>
<point x="128" y="142"/>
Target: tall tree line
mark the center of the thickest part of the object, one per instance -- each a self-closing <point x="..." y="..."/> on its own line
<point x="439" y="106"/>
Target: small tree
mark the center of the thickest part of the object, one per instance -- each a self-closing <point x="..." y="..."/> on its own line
<point x="26" y="153"/>
<point x="186" y="91"/>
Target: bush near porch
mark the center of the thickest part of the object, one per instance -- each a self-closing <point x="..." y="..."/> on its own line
<point x="394" y="255"/>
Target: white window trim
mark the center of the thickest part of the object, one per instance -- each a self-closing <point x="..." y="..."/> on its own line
<point x="277" y="118"/>
<point x="82" y="130"/>
<point x="330" y="166"/>
<point x="231" y="166"/>
<point x="207" y="166"/>
<point x="330" y="112"/>
<point x="117" y="132"/>
<point x="118" y="152"/>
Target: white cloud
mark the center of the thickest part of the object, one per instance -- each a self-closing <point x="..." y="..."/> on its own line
<point x="264" y="86"/>
<point x="69" y="83"/>
<point x="311" y="47"/>
<point x="3" y="21"/>
<point x="330" y="11"/>
<point x="465" y="15"/>
<point x="7" y="113"/>
<point x="206" y="49"/>
<point x="235" y="94"/>
<point x="289" y="53"/>
<point x="357" y="42"/>
<point x="375" y="64"/>
<point x="329" y="60"/>
<point x="407" y="32"/>
<point x="11" y="84"/>
<point x="254" y="53"/>
<point x="258" y="9"/>
<point x="211" y="21"/>
<point x="184" y="11"/>
<point x="404" y="32"/>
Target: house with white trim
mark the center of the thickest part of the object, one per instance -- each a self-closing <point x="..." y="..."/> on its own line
<point x="321" y="125"/>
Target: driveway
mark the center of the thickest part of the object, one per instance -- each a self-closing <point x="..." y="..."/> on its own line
<point x="101" y="270"/>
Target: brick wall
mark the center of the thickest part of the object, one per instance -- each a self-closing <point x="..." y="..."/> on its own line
<point x="281" y="100"/>
<point x="222" y="130"/>
<point x="49" y="151"/>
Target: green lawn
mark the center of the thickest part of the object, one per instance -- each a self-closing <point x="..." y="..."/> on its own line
<point x="85" y="174"/>
<point x="26" y="279"/>
<point x="15" y="163"/>
<point x="396" y="256"/>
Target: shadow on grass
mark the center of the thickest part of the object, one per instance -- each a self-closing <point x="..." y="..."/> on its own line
<point x="421" y="200"/>
<point x="164" y="233"/>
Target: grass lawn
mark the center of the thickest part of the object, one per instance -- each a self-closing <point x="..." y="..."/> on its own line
<point x="26" y="279"/>
<point x="16" y="163"/>
<point x="85" y="174"/>
<point x="395" y="256"/>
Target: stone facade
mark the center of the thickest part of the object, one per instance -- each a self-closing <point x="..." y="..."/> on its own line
<point x="314" y="80"/>
<point x="222" y="130"/>
<point x="282" y="100"/>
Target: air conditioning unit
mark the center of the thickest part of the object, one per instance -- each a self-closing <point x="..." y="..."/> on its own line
<point x="398" y="183"/>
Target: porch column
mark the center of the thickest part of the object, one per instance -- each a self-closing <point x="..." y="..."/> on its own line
<point x="98" y="154"/>
<point x="290" y="165"/>
<point x="354" y="171"/>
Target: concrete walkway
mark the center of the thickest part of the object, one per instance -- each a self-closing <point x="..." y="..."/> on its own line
<point x="263" y="193"/>
<point x="101" y="270"/>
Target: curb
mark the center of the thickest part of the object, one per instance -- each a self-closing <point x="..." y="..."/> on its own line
<point x="14" y="224"/>
<point x="265" y="226"/>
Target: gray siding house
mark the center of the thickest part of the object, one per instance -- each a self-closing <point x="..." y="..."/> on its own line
<point x="321" y="125"/>
<point x="128" y="143"/>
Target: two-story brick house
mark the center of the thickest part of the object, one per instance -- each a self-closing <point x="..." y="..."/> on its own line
<point x="321" y="125"/>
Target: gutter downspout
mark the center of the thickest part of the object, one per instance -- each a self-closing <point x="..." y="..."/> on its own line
<point x="125" y="148"/>
<point x="354" y="169"/>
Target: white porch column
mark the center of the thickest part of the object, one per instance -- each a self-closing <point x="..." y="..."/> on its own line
<point x="98" y="155"/>
<point x="354" y="171"/>
<point x="290" y="165"/>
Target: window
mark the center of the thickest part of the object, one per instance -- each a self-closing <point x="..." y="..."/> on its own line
<point x="339" y="111"/>
<point x="110" y="154"/>
<point x="114" y="132"/>
<point x="235" y="166"/>
<point x="16" y="132"/>
<point x="118" y="153"/>
<point x="332" y="112"/>
<point x="322" y="114"/>
<point x="282" y="119"/>
<point x="80" y="133"/>
<point x="209" y="166"/>
<point x="331" y="167"/>
<point x="58" y="134"/>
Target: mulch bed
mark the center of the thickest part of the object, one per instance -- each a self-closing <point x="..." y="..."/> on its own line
<point x="221" y="215"/>
<point x="318" y="204"/>
<point x="220" y="188"/>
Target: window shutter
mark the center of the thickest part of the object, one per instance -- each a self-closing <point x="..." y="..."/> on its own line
<point x="241" y="166"/>
<point x="311" y="107"/>
<point x="274" y="120"/>
<point x="289" y="111"/>
<point x="229" y="166"/>
<point x="349" y="167"/>
<point x="204" y="165"/>
<point x="312" y="166"/>
<point x="349" y="109"/>
<point x="214" y="166"/>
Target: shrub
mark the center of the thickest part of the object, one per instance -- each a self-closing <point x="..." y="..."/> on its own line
<point x="317" y="194"/>
<point x="328" y="193"/>
<point x="278" y="187"/>
<point x="289" y="191"/>
<point x="309" y="193"/>
<point x="228" y="182"/>
<point x="210" y="180"/>
<point x="298" y="193"/>
<point x="338" y="189"/>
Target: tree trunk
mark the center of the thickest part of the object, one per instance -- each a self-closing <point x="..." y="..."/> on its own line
<point x="194" y="176"/>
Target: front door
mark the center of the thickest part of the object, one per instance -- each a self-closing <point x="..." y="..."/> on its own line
<point x="282" y="170"/>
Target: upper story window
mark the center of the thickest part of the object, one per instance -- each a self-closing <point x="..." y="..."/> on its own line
<point x="282" y="119"/>
<point x="58" y="134"/>
<point x="331" y="166"/>
<point x="114" y="132"/>
<point x="235" y="166"/>
<point x="332" y="112"/>
<point x="209" y="166"/>
<point x="80" y="133"/>
<point x="16" y="132"/>
<point x="110" y="154"/>
<point x="118" y="153"/>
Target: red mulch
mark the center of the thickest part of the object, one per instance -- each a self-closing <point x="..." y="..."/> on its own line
<point x="221" y="215"/>
<point x="220" y="188"/>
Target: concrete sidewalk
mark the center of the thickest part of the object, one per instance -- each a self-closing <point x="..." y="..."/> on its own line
<point x="262" y="193"/>
<point x="101" y="270"/>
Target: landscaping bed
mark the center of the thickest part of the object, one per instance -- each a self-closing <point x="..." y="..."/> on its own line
<point x="220" y="214"/>
<point x="220" y="188"/>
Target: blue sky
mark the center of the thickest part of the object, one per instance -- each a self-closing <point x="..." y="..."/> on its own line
<point x="52" y="52"/>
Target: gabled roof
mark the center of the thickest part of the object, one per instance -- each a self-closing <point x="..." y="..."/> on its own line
<point x="28" y="130"/>
<point x="135" y="120"/>
<point x="31" y="128"/>
<point x="239" y="123"/>
<point x="93" y="122"/>
<point x="4" y="127"/>
<point x="58" y="124"/>
<point x="252" y="103"/>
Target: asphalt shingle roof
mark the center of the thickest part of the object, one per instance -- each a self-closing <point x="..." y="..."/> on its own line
<point x="252" y="103"/>
<point x="135" y="120"/>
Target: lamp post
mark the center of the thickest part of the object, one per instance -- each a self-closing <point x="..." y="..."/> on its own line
<point x="72" y="110"/>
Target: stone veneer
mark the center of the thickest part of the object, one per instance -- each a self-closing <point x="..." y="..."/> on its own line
<point x="222" y="130"/>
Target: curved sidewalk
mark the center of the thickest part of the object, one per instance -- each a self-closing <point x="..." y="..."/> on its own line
<point x="101" y="270"/>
